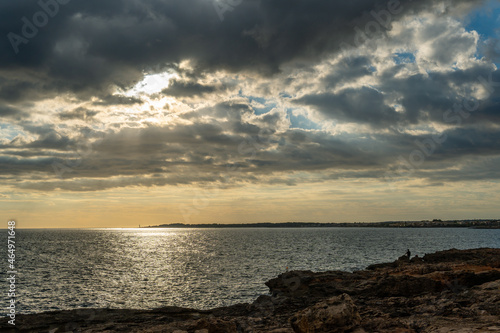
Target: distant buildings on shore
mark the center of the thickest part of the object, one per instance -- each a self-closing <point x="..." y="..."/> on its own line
<point x="436" y="223"/>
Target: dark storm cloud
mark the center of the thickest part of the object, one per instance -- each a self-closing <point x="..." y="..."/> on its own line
<point x="39" y="129"/>
<point x="78" y="113"/>
<point x="429" y="97"/>
<point x="443" y="97"/>
<point x="89" y="44"/>
<point x="471" y="141"/>
<point x="16" y="90"/>
<point x="451" y="145"/>
<point x="10" y="112"/>
<point x="364" y="105"/>
<point x="51" y="141"/>
<point x="117" y="100"/>
<point x="10" y="165"/>
<point x="348" y="70"/>
<point x="477" y="170"/>
<point x="188" y="89"/>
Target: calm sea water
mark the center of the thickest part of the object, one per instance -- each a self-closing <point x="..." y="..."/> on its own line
<point x="201" y="268"/>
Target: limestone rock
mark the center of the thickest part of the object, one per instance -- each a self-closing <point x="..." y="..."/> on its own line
<point x="336" y="314"/>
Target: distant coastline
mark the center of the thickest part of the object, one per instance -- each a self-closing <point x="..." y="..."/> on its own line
<point x="475" y="224"/>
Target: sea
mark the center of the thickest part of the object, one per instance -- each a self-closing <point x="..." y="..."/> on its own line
<point x="197" y="268"/>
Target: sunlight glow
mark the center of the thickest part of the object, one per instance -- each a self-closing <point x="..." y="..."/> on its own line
<point x="151" y="84"/>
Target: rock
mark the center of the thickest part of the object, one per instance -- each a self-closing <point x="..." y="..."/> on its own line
<point x="337" y="314"/>
<point x="490" y="257"/>
<point x="416" y="259"/>
<point x="216" y="325"/>
<point x="317" y="286"/>
<point x="403" y="259"/>
<point x="263" y="305"/>
<point x="404" y="285"/>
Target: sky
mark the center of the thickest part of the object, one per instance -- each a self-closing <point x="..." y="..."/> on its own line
<point x="121" y="113"/>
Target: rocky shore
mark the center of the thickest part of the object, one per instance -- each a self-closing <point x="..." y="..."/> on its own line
<point x="447" y="291"/>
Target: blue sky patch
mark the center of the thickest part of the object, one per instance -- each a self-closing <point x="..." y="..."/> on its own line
<point x="9" y="131"/>
<point x="267" y="106"/>
<point x="485" y="20"/>
<point x="404" y="58"/>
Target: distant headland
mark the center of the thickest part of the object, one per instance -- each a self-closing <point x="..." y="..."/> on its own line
<point x="436" y="223"/>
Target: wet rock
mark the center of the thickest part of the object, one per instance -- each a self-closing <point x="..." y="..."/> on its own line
<point x="337" y="314"/>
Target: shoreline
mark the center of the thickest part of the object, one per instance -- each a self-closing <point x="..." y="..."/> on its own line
<point x="442" y="291"/>
<point x="472" y="224"/>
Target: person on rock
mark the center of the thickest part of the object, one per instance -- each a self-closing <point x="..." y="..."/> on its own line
<point x="408" y="253"/>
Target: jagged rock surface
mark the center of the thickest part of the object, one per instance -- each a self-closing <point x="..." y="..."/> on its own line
<point x="336" y="314"/>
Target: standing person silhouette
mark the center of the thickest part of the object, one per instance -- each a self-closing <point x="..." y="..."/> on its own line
<point x="408" y="253"/>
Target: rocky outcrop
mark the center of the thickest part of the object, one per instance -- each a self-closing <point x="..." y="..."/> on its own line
<point x="336" y="314"/>
<point x="447" y="291"/>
